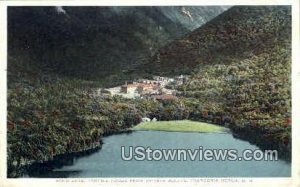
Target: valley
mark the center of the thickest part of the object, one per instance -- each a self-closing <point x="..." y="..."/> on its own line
<point x="78" y="84"/>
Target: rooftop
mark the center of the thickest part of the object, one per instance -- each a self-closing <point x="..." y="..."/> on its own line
<point x="130" y="85"/>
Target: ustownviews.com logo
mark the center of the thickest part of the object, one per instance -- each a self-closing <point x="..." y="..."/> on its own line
<point x="141" y="153"/>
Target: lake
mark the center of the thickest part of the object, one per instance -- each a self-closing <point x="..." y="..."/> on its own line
<point x="107" y="162"/>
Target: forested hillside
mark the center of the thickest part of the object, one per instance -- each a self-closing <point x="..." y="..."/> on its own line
<point x="237" y="34"/>
<point x="241" y="66"/>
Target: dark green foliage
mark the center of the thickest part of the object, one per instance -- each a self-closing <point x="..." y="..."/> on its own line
<point x="243" y="67"/>
<point x="53" y="119"/>
<point x="94" y="43"/>
<point x="238" y="33"/>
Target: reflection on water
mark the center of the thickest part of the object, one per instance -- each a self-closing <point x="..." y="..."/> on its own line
<point x="108" y="163"/>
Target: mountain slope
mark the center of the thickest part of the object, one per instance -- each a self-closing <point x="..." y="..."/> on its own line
<point x="240" y="64"/>
<point x="96" y="42"/>
<point x="238" y="33"/>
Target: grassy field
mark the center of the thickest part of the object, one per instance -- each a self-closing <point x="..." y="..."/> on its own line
<point x="179" y="126"/>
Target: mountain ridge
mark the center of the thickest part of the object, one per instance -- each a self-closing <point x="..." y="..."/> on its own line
<point x="226" y="35"/>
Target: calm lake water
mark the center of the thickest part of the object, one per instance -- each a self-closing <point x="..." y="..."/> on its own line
<point x="107" y="162"/>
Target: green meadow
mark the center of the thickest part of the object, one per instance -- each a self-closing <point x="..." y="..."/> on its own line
<point x="179" y="126"/>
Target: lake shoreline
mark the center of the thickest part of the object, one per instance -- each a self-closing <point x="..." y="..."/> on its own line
<point x="99" y="163"/>
<point x="97" y="146"/>
<point x="240" y="134"/>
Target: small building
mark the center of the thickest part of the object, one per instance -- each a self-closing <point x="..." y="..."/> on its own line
<point x="129" y="88"/>
<point x="182" y="79"/>
<point x="147" y="88"/>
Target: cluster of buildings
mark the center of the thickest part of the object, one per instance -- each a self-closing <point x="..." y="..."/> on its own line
<point x="145" y="88"/>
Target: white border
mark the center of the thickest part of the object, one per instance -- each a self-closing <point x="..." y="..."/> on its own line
<point x="293" y="181"/>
